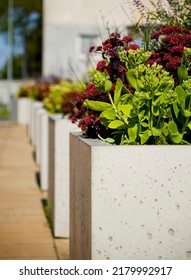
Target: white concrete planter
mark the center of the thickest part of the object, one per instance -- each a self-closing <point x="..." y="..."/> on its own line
<point x="30" y="126"/>
<point x="37" y="105"/>
<point x="59" y="130"/>
<point x="39" y="112"/>
<point x="44" y="150"/>
<point x="20" y="110"/>
<point x="129" y="202"/>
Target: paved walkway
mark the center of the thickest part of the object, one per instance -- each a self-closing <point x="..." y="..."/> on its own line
<point x="24" y="231"/>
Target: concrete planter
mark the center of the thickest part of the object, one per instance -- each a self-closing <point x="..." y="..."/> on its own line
<point x="59" y="130"/>
<point x="20" y="110"/>
<point x="37" y="105"/>
<point x="44" y="150"/>
<point x="129" y="202"/>
<point x="30" y="126"/>
<point x="38" y="116"/>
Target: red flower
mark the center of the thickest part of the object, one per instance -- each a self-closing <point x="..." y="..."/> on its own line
<point x="133" y="47"/>
<point x="107" y="47"/>
<point x="99" y="48"/>
<point x="91" y="49"/>
<point x="101" y="66"/>
<point x="127" y="39"/>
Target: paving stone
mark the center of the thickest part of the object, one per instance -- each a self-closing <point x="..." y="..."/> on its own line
<point x="24" y="230"/>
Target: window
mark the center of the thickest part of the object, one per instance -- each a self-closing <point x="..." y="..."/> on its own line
<point x="86" y="41"/>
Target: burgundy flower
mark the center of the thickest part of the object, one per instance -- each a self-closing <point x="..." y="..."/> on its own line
<point x="99" y="48"/>
<point x="133" y="47"/>
<point x="155" y="35"/>
<point x="174" y="62"/>
<point x="115" y="35"/>
<point x="91" y="49"/>
<point x="101" y="66"/>
<point x="127" y="39"/>
<point x="107" y="47"/>
<point x="178" y="49"/>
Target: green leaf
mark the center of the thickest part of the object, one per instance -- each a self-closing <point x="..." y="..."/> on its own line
<point x="108" y="114"/>
<point x="117" y="124"/>
<point x="156" y="131"/>
<point x="110" y="140"/>
<point x="108" y="85"/>
<point x="182" y="73"/>
<point x="155" y="110"/>
<point x="176" y="109"/>
<point x="132" y="79"/>
<point x="186" y="113"/>
<point x="97" y="105"/>
<point x="145" y="136"/>
<point x="172" y="126"/>
<point x="175" y="135"/>
<point x="132" y="132"/>
<point x="144" y="124"/>
<point x="181" y="94"/>
<point x="117" y="93"/>
<point x="189" y="125"/>
<point x="126" y="109"/>
<point x="165" y="129"/>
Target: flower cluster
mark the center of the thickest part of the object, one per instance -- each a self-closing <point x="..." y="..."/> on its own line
<point x="38" y="89"/>
<point x="62" y="97"/>
<point x="109" y="51"/>
<point x="169" y="44"/>
<point x="89" y="121"/>
<point x="134" y="95"/>
<point x="112" y="67"/>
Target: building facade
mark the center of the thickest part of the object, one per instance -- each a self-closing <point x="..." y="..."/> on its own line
<point x="71" y="27"/>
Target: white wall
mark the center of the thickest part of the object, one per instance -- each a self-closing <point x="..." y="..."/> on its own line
<point x="5" y="87"/>
<point x="65" y="21"/>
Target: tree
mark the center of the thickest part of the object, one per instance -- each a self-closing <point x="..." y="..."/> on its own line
<point x="27" y="24"/>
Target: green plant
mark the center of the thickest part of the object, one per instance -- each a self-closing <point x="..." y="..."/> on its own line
<point x="47" y="211"/>
<point x="158" y="112"/>
<point x="62" y="97"/>
<point x="4" y="112"/>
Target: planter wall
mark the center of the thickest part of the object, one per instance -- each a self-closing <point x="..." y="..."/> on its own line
<point x="129" y="202"/>
<point x="59" y="130"/>
<point x="20" y="110"/>
<point x="37" y="105"/>
<point x="38" y="114"/>
<point x="44" y="150"/>
<point x="30" y="126"/>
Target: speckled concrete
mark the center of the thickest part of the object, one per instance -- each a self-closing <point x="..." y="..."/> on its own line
<point x="20" y="110"/>
<point x="59" y="130"/>
<point x="43" y="150"/>
<point x="134" y="202"/>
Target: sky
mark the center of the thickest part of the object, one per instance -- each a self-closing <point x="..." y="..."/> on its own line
<point x="3" y="50"/>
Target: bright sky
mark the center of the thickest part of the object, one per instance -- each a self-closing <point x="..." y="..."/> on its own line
<point x="3" y="51"/>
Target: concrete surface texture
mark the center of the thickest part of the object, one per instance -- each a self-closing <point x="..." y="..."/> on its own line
<point x="24" y="230"/>
<point x="129" y="202"/>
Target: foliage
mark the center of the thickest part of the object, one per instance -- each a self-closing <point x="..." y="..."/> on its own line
<point x="149" y="106"/>
<point x="156" y="14"/>
<point x="4" y="112"/>
<point x="62" y="97"/>
<point x="171" y="13"/>
<point x="27" y="24"/>
<point x="38" y="89"/>
<point x="107" y="71"/>
<point x="169" y="43"/>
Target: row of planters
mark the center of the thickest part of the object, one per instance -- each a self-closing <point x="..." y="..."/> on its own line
<point x="117" y="164"/>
